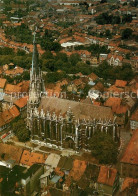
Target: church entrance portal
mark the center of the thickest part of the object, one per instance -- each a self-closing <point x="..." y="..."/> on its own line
<point x="69" y="143"/>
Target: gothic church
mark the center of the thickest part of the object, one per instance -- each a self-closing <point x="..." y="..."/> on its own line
<point x="61" y="122"/>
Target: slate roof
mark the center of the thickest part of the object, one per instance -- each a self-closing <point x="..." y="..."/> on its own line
<point x="79" y="109"/>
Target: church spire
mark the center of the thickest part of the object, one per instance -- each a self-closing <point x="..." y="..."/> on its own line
<point x="35" y="62"/>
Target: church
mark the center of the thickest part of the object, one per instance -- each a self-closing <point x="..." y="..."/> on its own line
<point x="61" y="122"/>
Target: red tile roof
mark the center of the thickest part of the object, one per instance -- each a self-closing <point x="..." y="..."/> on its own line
<point x="14" y="111"/>
<point x="78" y="169"/>
<point x="107" y="175"/>
<point x="120" y="83"/>
<point x="12" y="89"/>
<point x="30" y="158"/>
<point x="8" y="115"/>
<point x="93" y="76"/>
<point x="2" y="82"/>
<point x="135" y="115"/>
<point x="115" y="104"/>
<point x="128" y="182"/>
<point x="22" y="102"/>
<point x="130" y="156"/>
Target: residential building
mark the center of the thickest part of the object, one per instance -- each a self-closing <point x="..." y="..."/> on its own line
<point x="134" y="120"/>
<point x="129" y="161"/>
<point x="108" y="181"/>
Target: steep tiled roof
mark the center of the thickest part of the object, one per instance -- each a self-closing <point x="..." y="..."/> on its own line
<point x="14" y="111"/>
<point x="22" y="102"/>
<point x="8" y="115"/>
<point x="135" y="115"/>
<point x="12" y="89"/>
<point x="128" y="182"/>
<point x="130" y="156"/>
<point x="107" y="176"/>
<point x="78" y="169"/>
<point x="93" y="76"/>
<point x="2" y="82"/>
<point x="120" y="83"/>
<point x="115" y="104"/>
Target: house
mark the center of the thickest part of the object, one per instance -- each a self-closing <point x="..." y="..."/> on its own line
<point x="120" y="84"/>
<point x="21" y="103"/>
<point x="115" y="60"/>
<point x="102" y="57"/>
<point x="134" y="63"/>
<point x="129" y="187"/>
<point x="75" y="174"/>
<point x="129" y="160"/>
<point x="58" y="178"/>
<point x="108" y="180"/>
<point x="7" y="116"/>
<point x="2" y="84"/>
<point x="13" y="90"/>
<point x="72" y="88"/>
<point x="93" y="77"/>
<point x="45" y="178"/>
<point x="30" y="180"/>
<point x="94" y="61"/>
<point x="14" y="72"/>
<point x="93" y="94"/>
<point x="120" y="110"/>
<point x="24" y="85"/>
<point x="65" y="164"/>
<point x="89" y="178"/>
<point x="29" y="158"/>
<point x="134" y="120"/>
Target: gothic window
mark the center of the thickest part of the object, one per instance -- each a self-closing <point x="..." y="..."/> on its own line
<point x="48" y="130"/>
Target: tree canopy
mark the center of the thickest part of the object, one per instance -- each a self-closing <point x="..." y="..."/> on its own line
<point x="20" y="130"/>
<point x="104" y="148"/>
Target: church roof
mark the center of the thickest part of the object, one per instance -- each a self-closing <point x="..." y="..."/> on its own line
<point x="79" y="109"/>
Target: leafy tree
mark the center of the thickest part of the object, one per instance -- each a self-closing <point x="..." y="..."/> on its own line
<point x="127" y="33"/>
<point x="49" y="65"/>
<point x="74" y="59"/>
<point x="20" y="130"/>
<point x="47" y="55"/>
<point x="104" y="148"/>
<point x="103" y="1"/>
<point x="62" y="56"/>
<point x="54" y="77"/>
<point x="127" y="18"/>
<point x="21" y="52"/>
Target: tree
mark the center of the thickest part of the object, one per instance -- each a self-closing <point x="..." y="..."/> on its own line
<point x="104" y="148"/>
<point x="127" y="33"/>
<point x="20" y="130"/>
<point x="74" y="59"/>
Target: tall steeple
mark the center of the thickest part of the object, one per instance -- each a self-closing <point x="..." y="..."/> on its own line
<point x="35" y="57"/>
<point x="37" y="86"/>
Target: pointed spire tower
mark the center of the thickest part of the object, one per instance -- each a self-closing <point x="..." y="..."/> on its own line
<point x="35" y="57"/>
<point x="36" y="85"/>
